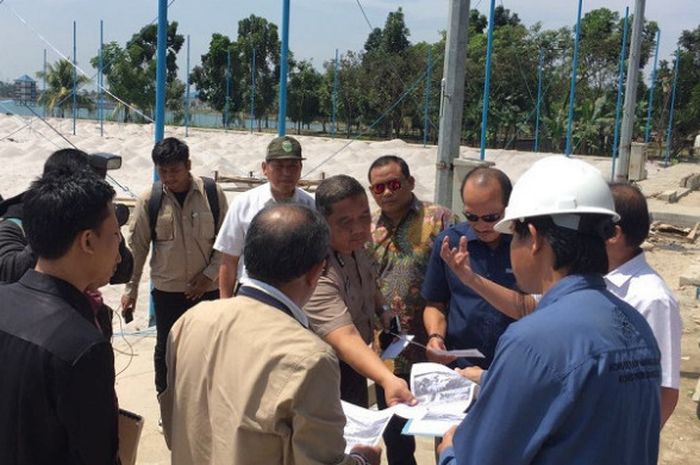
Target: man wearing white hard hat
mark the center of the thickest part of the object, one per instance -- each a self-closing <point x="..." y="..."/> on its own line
<point x="567" y="382"/>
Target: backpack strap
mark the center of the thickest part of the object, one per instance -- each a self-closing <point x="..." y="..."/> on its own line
<point x="213" y="199"/>
<point x="154" y="207"/>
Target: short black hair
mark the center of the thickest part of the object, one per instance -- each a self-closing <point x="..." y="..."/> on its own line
<point x="386" y="160"/>
<point x="66" y="161"/>
<point x="484" y="175"/>
<point x="170" y="150"/>
<point x="285" y="241"/>
<point x="631" y="205"/>
<point x="58" y="206"/>
<point x="583" y="250"/>
<point x="336" y="189"/>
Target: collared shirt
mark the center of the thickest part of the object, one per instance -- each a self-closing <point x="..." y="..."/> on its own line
<point x="639" y="285"/>
<point x="472" y="323"/>
<point x="279" y="295"/>
<point x="346" y="294"/>
<point x="57" y="390"/>
<point x="402" y="252"/>
<point x="577" y="382"/>
<point x="244" y="207"/>
<point x="247" y="384"/>
<point x="184" y="240"/>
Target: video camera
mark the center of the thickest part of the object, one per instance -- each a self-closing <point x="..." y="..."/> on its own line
<point x="102" y="162"/>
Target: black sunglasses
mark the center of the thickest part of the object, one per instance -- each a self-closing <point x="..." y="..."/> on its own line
<point x="490" y="218"/>
<point x="392" y="184"/>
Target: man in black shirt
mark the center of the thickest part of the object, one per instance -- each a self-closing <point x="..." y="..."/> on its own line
<point x="57" y="400"/>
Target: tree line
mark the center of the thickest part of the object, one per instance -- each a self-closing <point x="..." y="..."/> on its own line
<point x="380" y="90"/>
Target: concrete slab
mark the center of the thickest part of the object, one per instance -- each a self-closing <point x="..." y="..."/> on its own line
<point x="677" y="214"/>
<point x="691" y="277"/>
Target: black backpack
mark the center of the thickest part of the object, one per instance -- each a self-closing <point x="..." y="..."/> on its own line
<point x="157" y="198"/>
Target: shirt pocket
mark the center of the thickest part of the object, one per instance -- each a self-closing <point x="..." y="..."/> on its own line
<point x="165" y="226"/>
<point x="203" y="225"/>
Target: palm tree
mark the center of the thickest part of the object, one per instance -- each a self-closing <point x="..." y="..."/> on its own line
<point x="59" y="91"/>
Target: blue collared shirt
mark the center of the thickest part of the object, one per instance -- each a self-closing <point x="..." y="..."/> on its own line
<point x="576" y="382"/>
<point x="472" y="323"/>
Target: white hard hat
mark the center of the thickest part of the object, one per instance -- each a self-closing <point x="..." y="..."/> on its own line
<point x="562" y="188"/>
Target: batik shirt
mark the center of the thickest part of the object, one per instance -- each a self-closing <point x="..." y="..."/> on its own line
<point x="402" y="252"/>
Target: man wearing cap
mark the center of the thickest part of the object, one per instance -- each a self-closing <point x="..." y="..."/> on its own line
<point x="282" y="167"/>
<point x="567" y="382"/>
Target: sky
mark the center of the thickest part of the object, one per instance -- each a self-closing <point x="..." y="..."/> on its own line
<point x="317" y="27"/>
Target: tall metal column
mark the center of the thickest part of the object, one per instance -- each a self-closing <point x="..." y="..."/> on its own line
<point x="227" y="103"/>
<point x="100" y="83"/>
<point x="187" y="91"/>
<point x="540" y="68"/>
<point x="572" y="90"/>
<point x="426" y="109"/>
<point x="253" y="72"/>
<point x="334" y="117"/>
<point x="652" y="86"/>
<point x="43" y="89"/>
<point x="282" y="116"/>
<point x="452" y="99"/>
<point x="75" y="78"/>
<point x="487" y="83"/>
<point x="618" y="105"/>
<point x="669" y="132"/>
<point x="623" y="163"/>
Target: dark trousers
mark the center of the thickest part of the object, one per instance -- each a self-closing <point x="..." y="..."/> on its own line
<point x="399" y="448"/>
<point x="353" y="386"/>
<point x="169" y="306"/>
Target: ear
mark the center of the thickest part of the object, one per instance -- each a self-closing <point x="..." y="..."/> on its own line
<point x="411" y="182"/>
<point x="85" y="241"/>
<point x="188" y="164"/>
<point x="617" y="237"/>
<point x="263" y="166"/>
<point x="314" y="274"/>
<point x="537" y="240"/>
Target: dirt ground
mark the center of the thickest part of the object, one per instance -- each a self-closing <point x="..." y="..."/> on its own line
<point x="680" y="439"/>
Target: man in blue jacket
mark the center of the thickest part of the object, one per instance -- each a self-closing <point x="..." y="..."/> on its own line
<point x="578" y="380"/>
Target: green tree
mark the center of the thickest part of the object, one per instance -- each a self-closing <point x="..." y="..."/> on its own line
<point x="303" y="100"/>
<point x="59" y="87"/>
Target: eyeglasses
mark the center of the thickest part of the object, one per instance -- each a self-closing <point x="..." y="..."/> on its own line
<point x="393" y="185"/>
<point x="490" y="218"/>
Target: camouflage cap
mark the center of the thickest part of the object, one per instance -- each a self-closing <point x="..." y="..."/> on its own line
<point x="284" y="147"/>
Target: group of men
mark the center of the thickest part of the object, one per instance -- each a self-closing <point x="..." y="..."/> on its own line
<point x="569" y="370"/>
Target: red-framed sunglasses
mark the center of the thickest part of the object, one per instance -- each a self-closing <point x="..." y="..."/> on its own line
<point x="392" y="184"/>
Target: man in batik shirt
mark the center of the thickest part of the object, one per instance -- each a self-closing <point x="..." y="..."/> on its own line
<point x="403" y="230"/>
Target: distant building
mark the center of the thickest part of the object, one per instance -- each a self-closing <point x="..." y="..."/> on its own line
<point x="25" y="90"/>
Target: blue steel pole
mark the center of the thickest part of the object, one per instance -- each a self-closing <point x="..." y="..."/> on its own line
<point x="539" y="100"/>
<point x="187" y="91"/>
<point x="100" y="83"/>
<point x="647" y="129"/>
<point x="43" y="90"/>
<point x="282" y="117"/>
<point x="618" y="106"/>
<point x="572" y="91"/>
<point x="253" y="72"/>
<point x="428" y="77"/>
<point x="160" y="98"/>
<point x="487" y="82"/>
<point x="228" y="88"/>
<point x="669" y="133"/>
<point x="75" y="79"/>
<point x="335" y="95"/>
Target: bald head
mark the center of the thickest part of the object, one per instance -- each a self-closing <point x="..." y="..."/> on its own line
<point x="483" y="177"/>
<point x="284" y="242"/>
<point x="631" y="205"/>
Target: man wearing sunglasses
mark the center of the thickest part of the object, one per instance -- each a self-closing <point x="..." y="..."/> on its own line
<point x="455" y="316"/>
<point x="403" y="231"/>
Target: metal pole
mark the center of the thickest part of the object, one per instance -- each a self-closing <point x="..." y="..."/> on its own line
<point x="428" y="78"/>
<point x="652" y="85"/>
<point x="487" y="83"/>
<point x="100" y="83"/>
<point x="43" y="90"/>
<point x="160" y="99"/>
<point x="228" y="88"/>
<point x="75" y="79"/>
<point x="187" y="91"/>
<point x="539" y="100"/>
<point x="253" y="71"/>
<point x="669" y="133"/>
<point x="618" y="105"/>
<point x="572" y="91"/>
<point x="452" y="100"/>
<point x="282" y="117"/>
<point x="335" y="95"/>
<point x="623" y="162"/>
